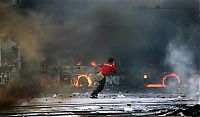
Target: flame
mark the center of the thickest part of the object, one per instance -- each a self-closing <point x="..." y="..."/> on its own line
<point x="93" y="63"/>
<point x="88" y="79"/>
<point x="145" y="76"/>
<point x="79" y="63"/>
<point x="154" y="85"/>
<point x="164" y="79"/>
<point x="171" y="75"/>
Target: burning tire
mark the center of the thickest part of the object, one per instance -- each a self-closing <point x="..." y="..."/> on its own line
<point x="171" y="80"/>
<point x="83" y="80"/>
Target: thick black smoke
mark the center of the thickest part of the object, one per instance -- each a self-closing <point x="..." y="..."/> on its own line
<point x="135" y="32"/>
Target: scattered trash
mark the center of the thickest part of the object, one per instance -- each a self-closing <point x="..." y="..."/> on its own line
<point x="75" y="93"/>
<point x="126" y="91"/>
<point x="54" y="95"/>
<point x="179" y="97"/>
<point x="180" y="114"/>
<point x="139" y="108"/>
<point x="183" y="96"/>
<point x="88" y="107"/>
<point x="128" y="104"/>
<point x="120" y="96"/>
<point x="128" y="109"/>
<point x="151" y="104"/>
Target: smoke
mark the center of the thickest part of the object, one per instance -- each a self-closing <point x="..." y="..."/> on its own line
<point x="180" y="58"/>
<point x="98" y="28"/>
<point x="135" y="32"/>
<point x="28" y="31"/>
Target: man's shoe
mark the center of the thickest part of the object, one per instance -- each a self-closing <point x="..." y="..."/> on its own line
<point x="93" y="96"/>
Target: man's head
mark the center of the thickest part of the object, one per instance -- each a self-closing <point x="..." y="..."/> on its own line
<point x="111" y="59"/>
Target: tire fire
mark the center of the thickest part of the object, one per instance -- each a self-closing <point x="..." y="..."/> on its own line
<point x="77" y="82"/>
<point x="162" y="84"/>
<point x="171" y="75"/>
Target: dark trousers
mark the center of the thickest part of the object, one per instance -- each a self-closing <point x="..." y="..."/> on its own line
<point x="100" y="87"/>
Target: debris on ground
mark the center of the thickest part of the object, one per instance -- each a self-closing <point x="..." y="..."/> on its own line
<point x="120" y="96"/>
<point x="54" y="95"/>
<point x="133" y="104"/>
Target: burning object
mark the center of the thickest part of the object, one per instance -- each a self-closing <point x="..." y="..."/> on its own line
<point x="155" y="85"/>
<point x="164" y="81"/>
<point x="145" y="76"/>
<point x="79" y="63"/>
<point x="171" y="75"/>
<point x="80" y="82"/>
<point x="93" y="63"/>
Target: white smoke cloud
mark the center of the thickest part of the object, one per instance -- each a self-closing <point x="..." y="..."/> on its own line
<point x="180" y="58"/>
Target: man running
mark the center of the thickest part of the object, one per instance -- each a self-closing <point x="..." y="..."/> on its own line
<point x="106" y="68"/>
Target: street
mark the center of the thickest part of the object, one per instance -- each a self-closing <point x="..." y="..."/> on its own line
<point x="115" y="104"/>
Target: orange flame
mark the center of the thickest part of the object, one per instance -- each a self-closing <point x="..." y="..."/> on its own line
<point x="93" y="63"/>
<point x="164" y="79"/>
<point x="88" y="79"/>
<point x="154" y="85"/>
<point x="171" y="75"/>
<point x="79" y="63"/>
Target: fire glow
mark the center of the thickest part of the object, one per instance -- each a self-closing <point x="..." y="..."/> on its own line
<point x="93" y="63"/>
<point x="173" y="75"/>
<point x="89" y="80"/>
<point x="155" y="85"/>
<point x="79" y="63"/>
<point x="162" y="84"/>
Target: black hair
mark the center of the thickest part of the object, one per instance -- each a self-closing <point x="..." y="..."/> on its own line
<point x="110" y="59"/>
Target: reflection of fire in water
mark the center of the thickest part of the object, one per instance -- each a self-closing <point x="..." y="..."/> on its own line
<point x="77" y="82"/>
<point x="171" y="75"/>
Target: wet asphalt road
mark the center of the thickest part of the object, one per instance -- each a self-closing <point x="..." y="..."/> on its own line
<point x="115" y="104"/>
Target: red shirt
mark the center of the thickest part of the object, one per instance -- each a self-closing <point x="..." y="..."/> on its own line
<point x="107" y="68"/>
